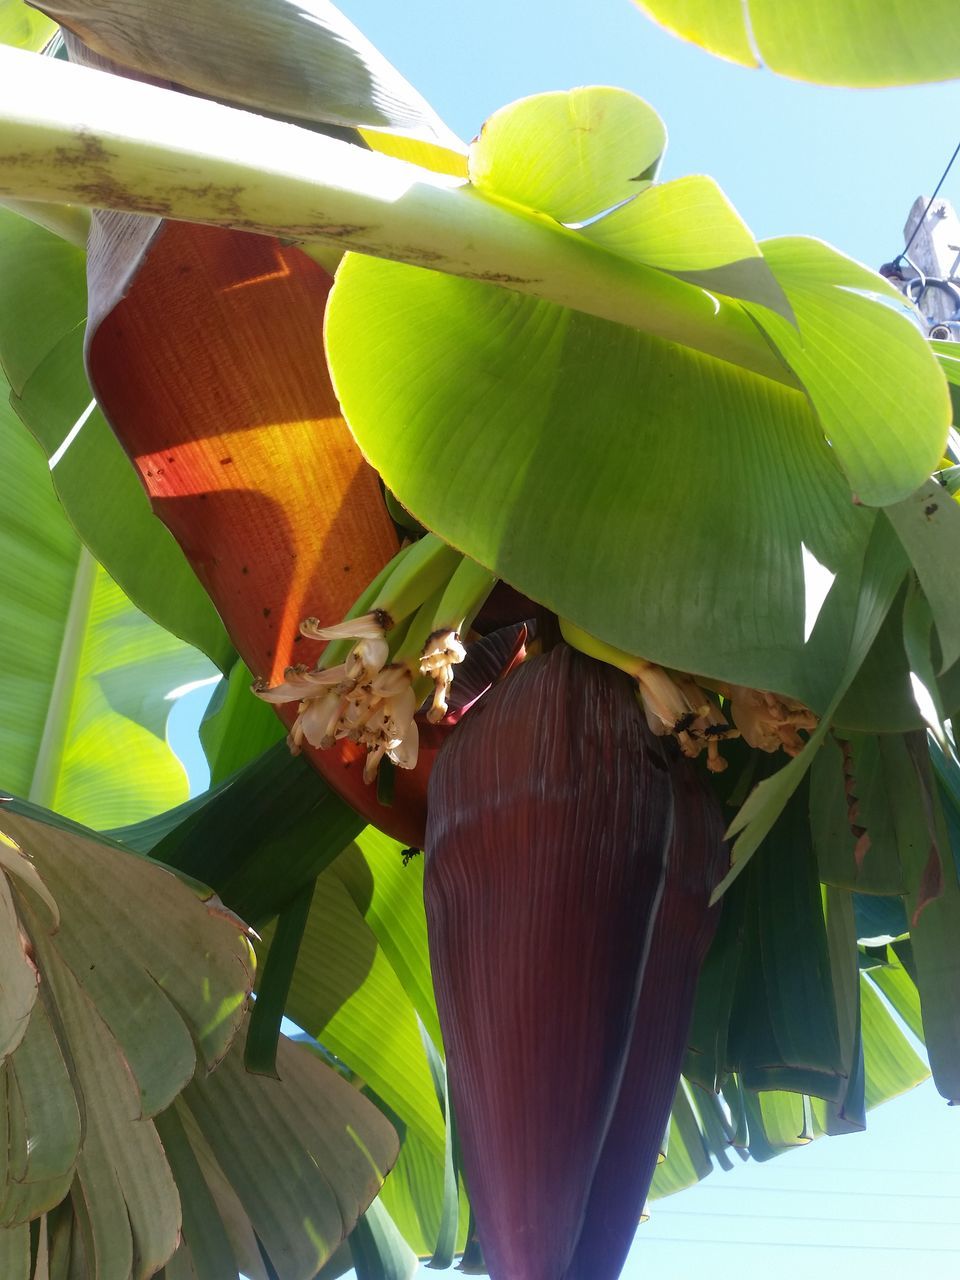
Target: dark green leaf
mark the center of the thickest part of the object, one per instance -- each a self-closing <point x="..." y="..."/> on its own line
<point x="263" y="836"/>
<point x="237" y="727"/>
<point x="263" y="1033"/>
<point x="378" y="1249"/>
<point x="884" y="568"/>
<point x="928" y="525"/>
<point x="935" y="935"/>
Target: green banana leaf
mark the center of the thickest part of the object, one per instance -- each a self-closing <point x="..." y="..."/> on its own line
<point x="303" y="61"/>
<point x="270" y="1177"/>
<point x="84" y="676"/>
<point x="827" y="41"/>
<point x="136" y="983"/>
<point x="42" y="314"/>
<point x="288" y="1163"/>
<point x="706" y="488"/>
<point x="378" y="1249"/>
<point x="236" y="727"/>
<point x="24" y="28"/>
<point x="136" y="1001"/>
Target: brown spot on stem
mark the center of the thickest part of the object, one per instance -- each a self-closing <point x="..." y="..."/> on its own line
<point x="499" y="277"/>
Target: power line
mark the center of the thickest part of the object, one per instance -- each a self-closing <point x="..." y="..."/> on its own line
<point x="912" y="1173"/>
<point x="803" y="1217"/>
<point x="807" y="1191"/>
<point x="804" y="1244"/>
<point x="943" y="177"/>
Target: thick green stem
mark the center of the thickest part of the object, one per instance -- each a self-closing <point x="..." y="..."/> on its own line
<point x="77" y="136"/>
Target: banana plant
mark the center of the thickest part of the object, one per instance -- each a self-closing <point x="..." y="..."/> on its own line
<point x="388" y="482"/>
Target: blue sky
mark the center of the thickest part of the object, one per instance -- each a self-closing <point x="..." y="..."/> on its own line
<point x="841" y="164"/>
<point x="844" y="166"/>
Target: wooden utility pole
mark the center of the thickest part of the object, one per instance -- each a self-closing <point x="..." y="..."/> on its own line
<point x="929" y="271"/>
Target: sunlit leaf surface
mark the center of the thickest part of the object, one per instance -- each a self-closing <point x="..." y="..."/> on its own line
<point x="24" y="28"/>
<point x="666" y="501"/>
<point x="42" y="312"/>
<point x="83" y="674"/>
<point x="851" y="42"/>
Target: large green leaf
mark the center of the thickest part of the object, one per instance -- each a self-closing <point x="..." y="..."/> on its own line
<point x="24" y="28"/>
<point x="667" y="502"/>
<point x="42" y="313"/>
<point x="141" y="984"/>
<point x="304" y="61"/>
<point x="141" y="981"/>
<point x="270" y="1176"/>
<point x="852" y="42"/>
<point x="590" y="437"/>
<point x="84" y="676"/>
<point x="861" y="363"/>
<point x="291" y="1163"/>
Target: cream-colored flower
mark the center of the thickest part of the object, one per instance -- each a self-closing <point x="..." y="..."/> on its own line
<point x="441" y="653"/>
<point x="365" y="700"/>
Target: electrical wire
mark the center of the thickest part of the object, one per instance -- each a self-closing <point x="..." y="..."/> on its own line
<point x="799" y="1244"/>
<point x="809" y="1191"/>
<point x="943" y="177"/>
<point x="658" y="1215"/>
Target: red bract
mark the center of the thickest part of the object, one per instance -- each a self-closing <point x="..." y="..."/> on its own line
<point x="548" y="846"/>
<point x="205" y="352"/>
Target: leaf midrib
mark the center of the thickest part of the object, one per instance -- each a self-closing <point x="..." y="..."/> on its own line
<point x="49" y="761"/>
